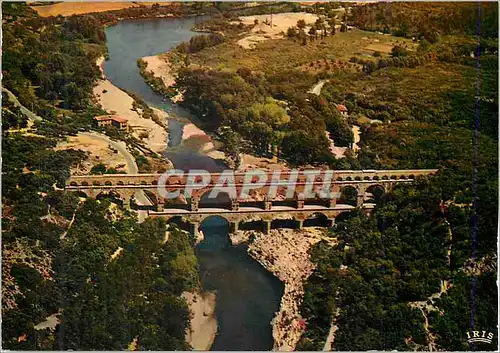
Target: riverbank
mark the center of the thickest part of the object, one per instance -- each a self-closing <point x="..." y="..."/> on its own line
<point x="203" y="328"/>
<point x="285" y="253"/>
<point x="115" y="101"/>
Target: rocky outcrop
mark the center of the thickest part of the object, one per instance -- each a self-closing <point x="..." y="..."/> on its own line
<point x="285" y="253"/>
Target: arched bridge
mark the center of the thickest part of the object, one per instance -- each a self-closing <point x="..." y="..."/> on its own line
<point x="350" y="189"/>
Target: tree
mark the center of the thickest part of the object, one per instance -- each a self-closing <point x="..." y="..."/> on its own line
<point x="301" y="24"/>
<point x="313" y="32"/>
<point x="99" y="168"/>
<point x="291" y="32"/>
<point x="398" y="51"/>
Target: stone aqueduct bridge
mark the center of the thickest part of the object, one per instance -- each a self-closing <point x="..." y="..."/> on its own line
<point x="258" y="207"/>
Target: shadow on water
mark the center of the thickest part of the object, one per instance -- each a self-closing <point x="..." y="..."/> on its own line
<point x="247" y="295"/>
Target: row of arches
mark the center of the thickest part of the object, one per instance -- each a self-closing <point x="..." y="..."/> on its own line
<point x="348" y="196"/>
<point x="316" y="219"/>
<point x="155" y="182"/>
<point x="110" y="183"/>
<point x="376" y="178"/>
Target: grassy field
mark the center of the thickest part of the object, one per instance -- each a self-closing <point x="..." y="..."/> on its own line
<point x="278" y="54"/>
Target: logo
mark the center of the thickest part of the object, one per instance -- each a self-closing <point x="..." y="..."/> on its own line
<point x="311" y="183"/>
<point x="479" y="336"/>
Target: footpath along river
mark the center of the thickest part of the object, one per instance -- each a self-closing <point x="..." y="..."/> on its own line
<point x="247" y="295"/>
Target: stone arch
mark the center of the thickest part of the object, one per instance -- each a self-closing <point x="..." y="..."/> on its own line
<point x="402" y="177"/>
<point x="108" y="183"/>
<point x="374" y="192"/>
<point x="143" y="182"/>
<point x="394" y="177"/>
<point x="376" y="177"/>
<point x="411" y="176"/>
<point x="348" y="195"/>
<point x="84" y="183"/>
<point x="154" y="182"/>
<point x="73" y="183"/>
<point x="317" y="219"/>
<point x="110" y="194"/>
<point x="96" y="183"/>
<point x="348" y="178"/>
<point x="179" y="220"/>
<point x="339" y="179"/>
<point x="283" y="221"/>
<point x="357" y="178"/>
<point x="385" y="177"/>
<point x="221" y="201"/>
<point x="366" y="177"/>
<point x="81" y="193"/>
<point x="343" y="216"/>
<point x="120" y="183"/>
<point x="213" y="229"/>
<point x="287" y="201"/>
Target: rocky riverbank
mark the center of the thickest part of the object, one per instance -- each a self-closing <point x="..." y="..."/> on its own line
<point x="285" y="253"/>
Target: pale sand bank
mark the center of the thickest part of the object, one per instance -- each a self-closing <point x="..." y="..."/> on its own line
<point x="160" y="67"/>
<point x="357" y="138"/>
<point x="115" y="101"/>
<point x="263" y="31"/>
<point x="208" y="148"/>
<point x="203" y="322"/>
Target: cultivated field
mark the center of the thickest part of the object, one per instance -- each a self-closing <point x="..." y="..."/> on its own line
<point x="77" y="8"/>
<point x="278" y="54"/>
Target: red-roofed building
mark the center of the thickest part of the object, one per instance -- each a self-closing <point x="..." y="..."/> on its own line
<point x="112" y="120"/>
<point x="342" y="109"/>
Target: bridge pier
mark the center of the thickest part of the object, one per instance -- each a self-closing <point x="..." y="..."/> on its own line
<point x="194" y="229"/>
<point x="267" y="204"/>
<point x="267" y="227"/>
<point x="194" y="204"/>
<point x="300" y="203"/>
<point x="361" y="196"/>
<point x="126" y="202"/>
<point x="300" y="224"/>
<point x="234" y="227"/>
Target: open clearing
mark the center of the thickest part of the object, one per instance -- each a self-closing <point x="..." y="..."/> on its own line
<point x="271" y="26"/>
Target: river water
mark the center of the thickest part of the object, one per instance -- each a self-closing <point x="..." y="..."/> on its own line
<point x="247" y="295"/>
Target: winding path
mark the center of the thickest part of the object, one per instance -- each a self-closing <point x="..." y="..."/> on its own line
<point x="316" y="89"/>
<point x="121" y="147"/>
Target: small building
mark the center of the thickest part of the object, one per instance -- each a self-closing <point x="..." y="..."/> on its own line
<point x="112" y="120"/>
<point x="342" y="109"/>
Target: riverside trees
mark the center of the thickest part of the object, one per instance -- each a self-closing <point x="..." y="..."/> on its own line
<point x="266" y="111"/>
<point x="108" y="280"/>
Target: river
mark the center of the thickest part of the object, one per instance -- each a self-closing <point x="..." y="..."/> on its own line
<point x="247" y="295"/>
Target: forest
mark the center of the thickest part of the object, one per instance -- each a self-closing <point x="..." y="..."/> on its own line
<point x="400" y="278"/>
<point x="83" y="262"/>
<point x="91" y="265"/>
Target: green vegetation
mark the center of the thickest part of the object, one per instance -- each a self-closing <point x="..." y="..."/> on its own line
<point x="428" y="20"/>
<point x="84" y="261"/>
<point x="156" y="83"/>
<point x="423" y="97"/>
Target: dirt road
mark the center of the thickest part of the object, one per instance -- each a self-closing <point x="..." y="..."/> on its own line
<point x="121" y="147"/>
